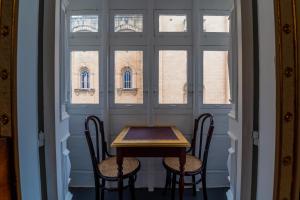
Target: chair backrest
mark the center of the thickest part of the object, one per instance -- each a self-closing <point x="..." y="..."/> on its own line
<point x="203" y="119"/>
<point x="95" y="152"/>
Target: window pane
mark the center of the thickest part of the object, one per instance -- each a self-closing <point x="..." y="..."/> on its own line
<point x="128" y="23"/>
<point x="84" y="23"/>
<point x="172" y="76"/>
<point x="172" y="23"/>
<point x="216" y="23"/>
<point x="129" y="77"/>
<point x="85" y="77"/>
<point x="215" y="77"/>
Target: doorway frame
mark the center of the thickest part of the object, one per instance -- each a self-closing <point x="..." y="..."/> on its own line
<point x="280" y="51"/>
<point x="246" y="60"/>
<point x="50" y="37"/>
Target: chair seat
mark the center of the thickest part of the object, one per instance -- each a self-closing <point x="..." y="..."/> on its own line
<point x="109" y="167"/>
<point x="192" y="164"/>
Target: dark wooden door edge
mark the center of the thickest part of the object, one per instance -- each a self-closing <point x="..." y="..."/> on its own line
<point x="286" y="183"/>
<point x="8" y="100"/>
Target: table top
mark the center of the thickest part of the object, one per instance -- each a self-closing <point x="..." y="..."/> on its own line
<point x="137" y="136"/>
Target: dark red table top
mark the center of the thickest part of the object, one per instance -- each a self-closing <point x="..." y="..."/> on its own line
<point x="150" y="133"/>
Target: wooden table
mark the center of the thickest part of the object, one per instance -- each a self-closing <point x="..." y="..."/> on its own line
<point x="151" y="142"/>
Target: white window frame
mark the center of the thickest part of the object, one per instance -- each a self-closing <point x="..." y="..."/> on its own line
<point x="201" y="75"/>
<point x="234" y="66"/>
<point x="111" y="88"/>
<point x="186" y="34"/>
<point x="80" y="107"/>
<point x="155" y="77"/>
<point x="214" y="35"/>
<point x="126" y="34"/>
<point x="83" y="35"/>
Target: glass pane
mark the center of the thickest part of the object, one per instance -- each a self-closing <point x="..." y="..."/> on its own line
<point x="216" y="23"/>
<point x="173" y="77"/>
<point x="172" y="23"/>
<point x="128" y="23"/>
<point x="85" y="77"/>
<point x="129" y="77"/>
<point x="84" y="23"/>
<point x="215" y="77"/>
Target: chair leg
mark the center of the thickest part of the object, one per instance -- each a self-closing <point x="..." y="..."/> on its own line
<point x="204" y="187"/>
<point x="102" y="189"/>
<point x="173" y="186"/>
<point x="131" y="187"/>
<point x="97" y="188"/>
<point x="168" y="182"/>
<point x="194" y="185"/>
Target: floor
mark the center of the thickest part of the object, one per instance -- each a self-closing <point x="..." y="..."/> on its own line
<point x="88" y="193"/>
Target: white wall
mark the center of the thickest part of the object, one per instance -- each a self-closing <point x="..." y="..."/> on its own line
<point x="267" y="100"/>
<point x="84" y="5"/>
<point x="27" y="99"/>
<point x="216" y="4"/>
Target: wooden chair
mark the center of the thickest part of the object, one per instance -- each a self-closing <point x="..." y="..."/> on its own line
<point x="105" y="167"/>
<point x="195" y="164"/>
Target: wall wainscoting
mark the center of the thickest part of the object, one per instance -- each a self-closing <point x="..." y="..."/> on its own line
<point x="232" y="166"/>
<point x="66" y="167"/>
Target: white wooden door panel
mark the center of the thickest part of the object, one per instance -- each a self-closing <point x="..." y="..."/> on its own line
<point x="217" y="159"/>
<point x="80" y="156"/>
<point x="56" y="127"/>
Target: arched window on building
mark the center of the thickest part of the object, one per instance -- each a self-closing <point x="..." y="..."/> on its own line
<point x="84" y="78"/>
<point x="127" y="78"/>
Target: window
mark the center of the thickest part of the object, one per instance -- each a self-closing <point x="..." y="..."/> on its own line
<point x="84" y="77"/>
<point x="84" y="23"/>
<point x="172" y="23"/>
<point x="215" y="77"/>
<point x="216" y="23"/>
<point x="128" y="80"/>
<point x="128" y="23"/>
<point x="173" y="76"/>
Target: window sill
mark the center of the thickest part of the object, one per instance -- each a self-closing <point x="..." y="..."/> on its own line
<point x="90" y="91"/>
<point x="127" y="90"/>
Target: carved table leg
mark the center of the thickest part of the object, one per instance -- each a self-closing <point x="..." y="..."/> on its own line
<point x="182" y="159"/>
<point x="120" y="173"/>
